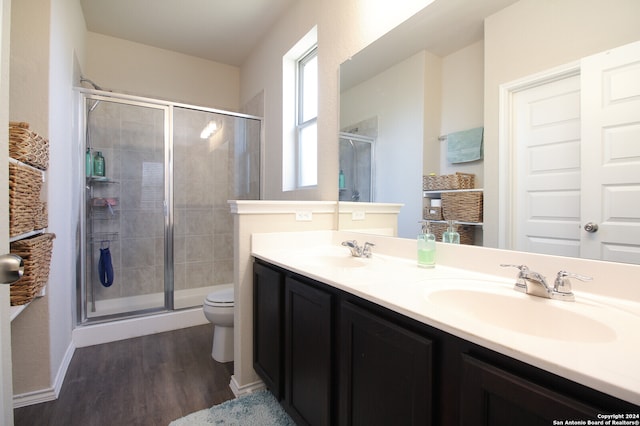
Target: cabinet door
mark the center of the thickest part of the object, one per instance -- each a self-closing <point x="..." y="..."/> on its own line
<point x="491" y="396"/>
<point x="308" y="353"/>
<point x="268" y="327"/>
<point x="385" y="371"/>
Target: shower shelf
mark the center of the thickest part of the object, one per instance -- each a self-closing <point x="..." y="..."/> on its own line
<point x="101" y="237"/>
<point x="105" y="214"/>
<point x="100" y="179"/>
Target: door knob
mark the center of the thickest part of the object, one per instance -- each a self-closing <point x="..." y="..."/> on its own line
<point x="591" y="227"/>
<point x="11" y="268"/>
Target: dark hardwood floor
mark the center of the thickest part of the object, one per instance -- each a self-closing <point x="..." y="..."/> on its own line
<point x="148" y="380"/>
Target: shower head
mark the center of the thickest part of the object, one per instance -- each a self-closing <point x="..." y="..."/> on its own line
<point x="86" y="80"/>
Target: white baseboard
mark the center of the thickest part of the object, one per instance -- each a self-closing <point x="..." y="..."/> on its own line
<point x="245" y="389"/>
<point x="96" y="334"/>
<point x="47" y="394"/>
<point x="35" y="397"/>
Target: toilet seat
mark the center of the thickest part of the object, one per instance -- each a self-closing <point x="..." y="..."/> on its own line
<point x="222" y="297"/>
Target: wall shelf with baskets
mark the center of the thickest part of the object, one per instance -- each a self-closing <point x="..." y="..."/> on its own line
<point x="454" y="197"/>
<point x="28" y="215"/>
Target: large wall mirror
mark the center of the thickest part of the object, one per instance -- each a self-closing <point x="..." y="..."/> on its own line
<point x="453" y="67"/>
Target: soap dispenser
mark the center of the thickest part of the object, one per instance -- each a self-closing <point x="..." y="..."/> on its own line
<point x="451" y="235"/>
<point x="426" y="246"/>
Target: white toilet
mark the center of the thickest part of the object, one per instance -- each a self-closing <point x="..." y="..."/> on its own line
<point x="218" y="308"/>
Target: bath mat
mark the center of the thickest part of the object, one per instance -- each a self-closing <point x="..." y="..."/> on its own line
<point x="258" y="408"/>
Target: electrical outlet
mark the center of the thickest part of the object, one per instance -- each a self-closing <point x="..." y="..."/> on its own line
<point x="357" y="215"/>
<point x="304" y="216"/>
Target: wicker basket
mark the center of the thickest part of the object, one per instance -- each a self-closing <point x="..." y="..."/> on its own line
<point x="27" y="146"/>
<point x="467" y="232"/>
<point x="36" y="253"/>
<point x="432" y="212"/>
<point x="455" y="181"/>
<point x="462" y="206"/>
<point x="25" y="207"/>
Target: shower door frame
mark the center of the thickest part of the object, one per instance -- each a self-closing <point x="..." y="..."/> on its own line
<point x="371" y="141"/>
<point x="82" y="293"/>
<point x="81" y="317"/>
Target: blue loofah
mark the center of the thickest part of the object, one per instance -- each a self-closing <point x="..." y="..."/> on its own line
<point x="105" y="267"/>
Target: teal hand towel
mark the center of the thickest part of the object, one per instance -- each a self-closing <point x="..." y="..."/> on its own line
<point x="465" y="146"/>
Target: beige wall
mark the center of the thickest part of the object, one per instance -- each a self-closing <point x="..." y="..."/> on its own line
<point x="47" y="49"/>
<point x="126" y="67"/>
<point x="535" y="35"/>
<point x="29" y="101"/>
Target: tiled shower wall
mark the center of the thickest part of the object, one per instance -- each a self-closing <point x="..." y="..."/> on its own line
<point x="131" y="138"/>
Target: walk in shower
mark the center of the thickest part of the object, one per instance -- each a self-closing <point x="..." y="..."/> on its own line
<point x="356" y="167"/>
<point x="157" y="233"/>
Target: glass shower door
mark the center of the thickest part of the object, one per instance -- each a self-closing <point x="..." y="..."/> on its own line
<point x="216" y="159"/>
<point x="125" y="246"/>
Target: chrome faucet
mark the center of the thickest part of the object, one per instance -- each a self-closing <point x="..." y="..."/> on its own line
<point x="356" y="250"/>
<point x="535" y="284"/>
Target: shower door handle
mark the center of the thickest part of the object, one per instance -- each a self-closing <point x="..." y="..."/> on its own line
<point x="11" y="268"/>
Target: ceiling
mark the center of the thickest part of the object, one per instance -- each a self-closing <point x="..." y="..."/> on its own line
<point x="224" y="31"/>
<point x="443" y="27"/>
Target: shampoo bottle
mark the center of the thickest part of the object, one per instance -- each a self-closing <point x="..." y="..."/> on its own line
<point x="426" y="246"/>
<point x="341" y="180"/>
<point x="98" y="164"/>
<point x="88" y="166"/>
<point x="451" y="235"/>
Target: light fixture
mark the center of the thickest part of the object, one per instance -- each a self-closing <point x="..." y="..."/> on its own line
<point x="209" y="130"/>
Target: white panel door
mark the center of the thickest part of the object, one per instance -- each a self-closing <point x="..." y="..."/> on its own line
<point x="611" y="154"/>
<point x="546" y="172"/>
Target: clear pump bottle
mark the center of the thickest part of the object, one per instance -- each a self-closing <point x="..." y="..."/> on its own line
<point x="451" y="236"/>
<point x="98" y="164"/>
<point x="426" y="246"/>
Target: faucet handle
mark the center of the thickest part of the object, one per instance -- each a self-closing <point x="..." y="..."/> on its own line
<point x="520" y="285"/>
<point x="366" y="249"/>
<point x="524" y="269"/>
<point x="563" y="283"/>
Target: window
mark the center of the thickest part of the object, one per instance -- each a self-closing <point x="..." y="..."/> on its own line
<point x="306" y="119"/>
<point x="299" y="114"/>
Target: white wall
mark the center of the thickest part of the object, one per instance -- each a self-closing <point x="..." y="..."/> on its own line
<point x="344" y="28"/>
<point x="462" y="103"/>
<point x="535" y="35"/>
<point x="67" y="47"/>
<point x="396" y="98"/>
<point x="127" y="67"/>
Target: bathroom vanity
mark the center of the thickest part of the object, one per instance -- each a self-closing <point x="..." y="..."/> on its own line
<point x="339" y="341"/>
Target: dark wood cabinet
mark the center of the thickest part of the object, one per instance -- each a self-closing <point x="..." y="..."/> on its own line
<point x="268" y="327"/>
<point x="308" y="353"/>
<point x="494" y="397"/>
<point x="385" y="371"/>
<point x="334" y="358"/>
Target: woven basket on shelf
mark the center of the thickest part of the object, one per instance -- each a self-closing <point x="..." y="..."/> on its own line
<point x="25" y="206"/>
<point x="432" y="213"/>
<point x="36" y="253"/>
<point x="462" y="206"/>
<point x="455" y="181"/>
<point x="467" y="232"/>
<point x="27" y="146"/>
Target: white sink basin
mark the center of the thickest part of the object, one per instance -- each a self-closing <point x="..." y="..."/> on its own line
<point x="503" y="307"/>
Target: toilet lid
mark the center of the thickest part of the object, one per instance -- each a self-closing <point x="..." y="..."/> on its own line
<point x="223" y="295"/>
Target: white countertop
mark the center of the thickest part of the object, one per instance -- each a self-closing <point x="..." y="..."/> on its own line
<point x="602" y="353"/>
